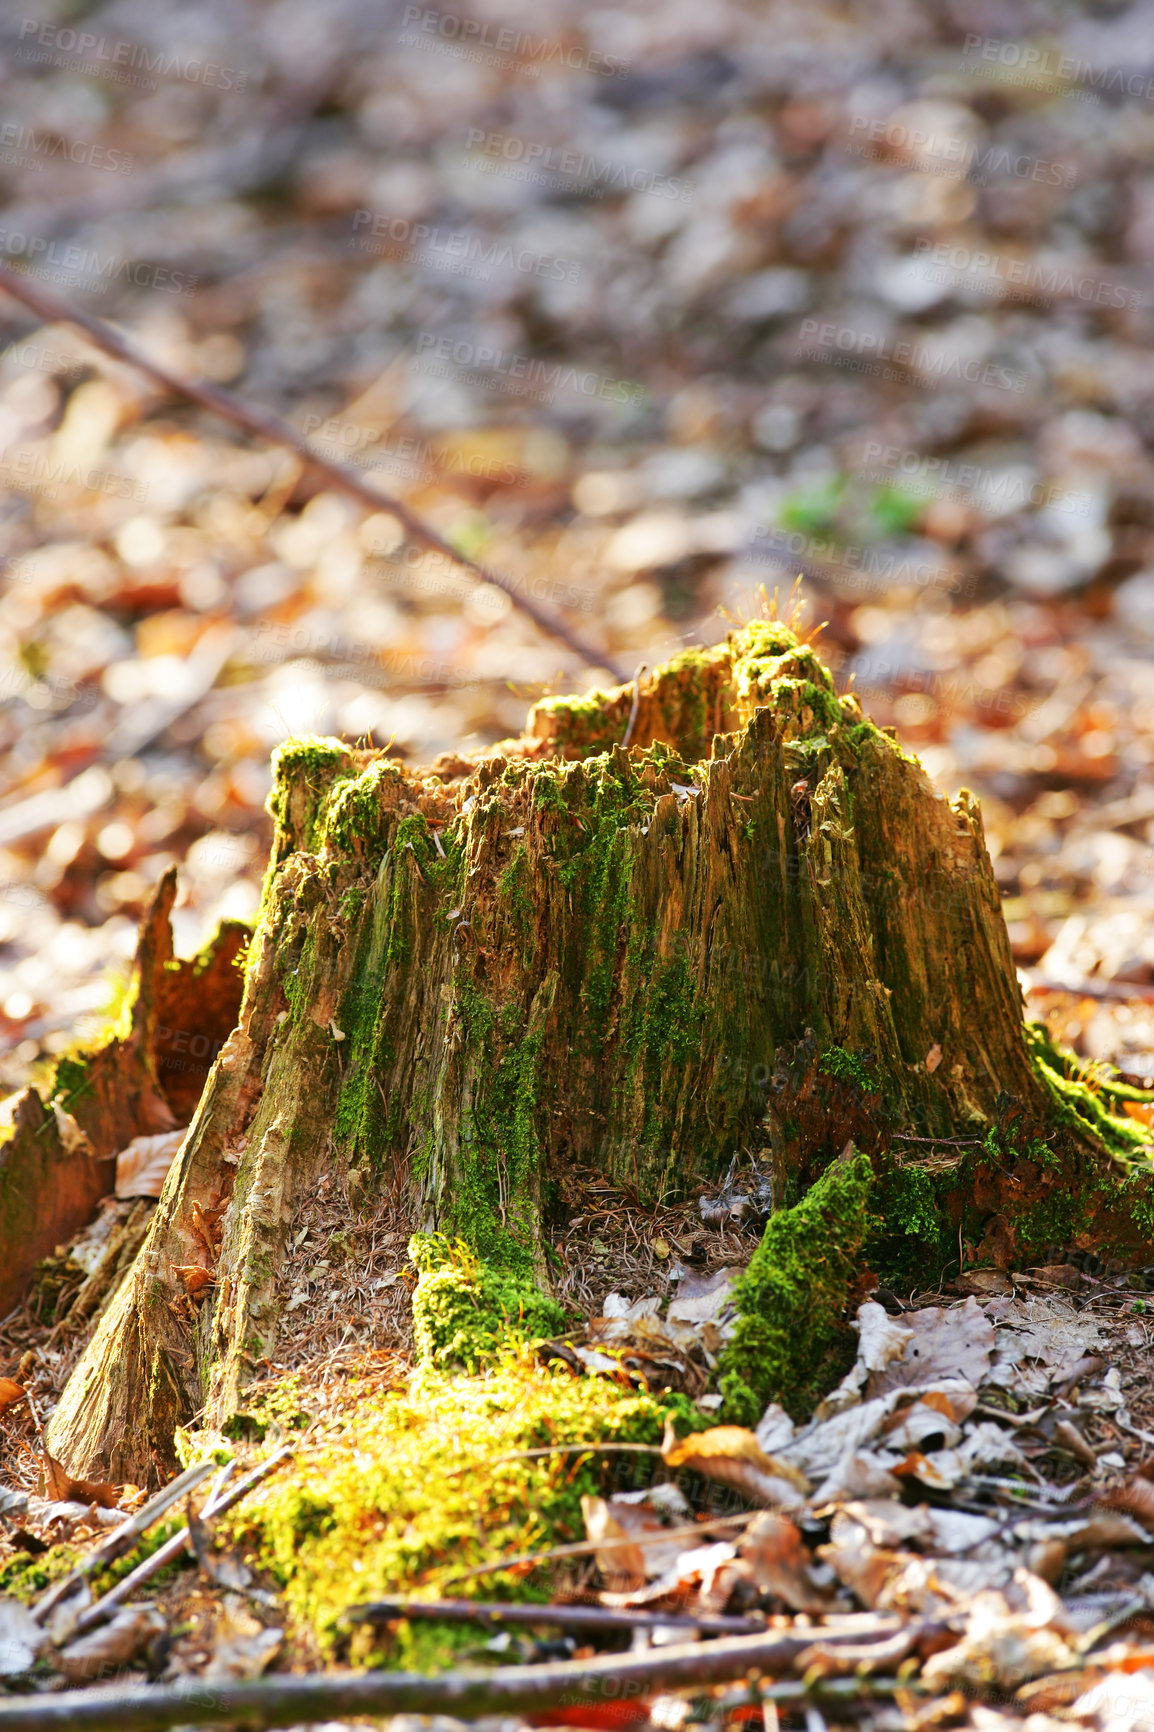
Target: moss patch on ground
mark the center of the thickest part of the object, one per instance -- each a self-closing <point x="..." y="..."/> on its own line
<point x="25" y="1577"/>
<point x="466" y="1312"/>
<point x="408" y="1490"/>
<point x="1087" y="1102"/>
<point x="791" y="1343"/>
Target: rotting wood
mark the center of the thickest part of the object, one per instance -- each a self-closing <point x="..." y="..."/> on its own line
<point x="759" y="932"/>
<point x="60" y="1158"/>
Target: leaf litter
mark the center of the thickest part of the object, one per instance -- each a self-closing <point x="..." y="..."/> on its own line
<point x="930" y="1516"/>
<point x="1035" y="699"/>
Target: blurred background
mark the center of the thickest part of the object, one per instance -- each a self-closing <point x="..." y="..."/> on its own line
<point x="646" y="305"/>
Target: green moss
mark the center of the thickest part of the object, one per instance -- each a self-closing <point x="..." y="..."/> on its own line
<point x="582" y="722"/>
<point x="790" y="1343"/>
<point x="836" y="1061"/>
<point x="25" y="1577"/>
<point x="493" y="1203"/>
<point x="913" y="1238"/>
<point x="303" y="771"/>
<point x="1083" y="1101"/>
<point x="278" y="1404"/>
<point x="691" y="685"/>
<point x="350" y="825"/>
<point x="466" y="1312"/>
<point x="662" y="1037"/>
<point x="513" y="891"/>
<point x="401" y="1497"/>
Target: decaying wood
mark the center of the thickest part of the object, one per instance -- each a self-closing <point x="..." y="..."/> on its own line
<point x="60" y="1159"/>
<point x="590" y="1618"/>
<point x="760" y="932"/>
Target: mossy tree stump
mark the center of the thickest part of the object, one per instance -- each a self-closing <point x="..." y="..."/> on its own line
<point x="758" y="930"/>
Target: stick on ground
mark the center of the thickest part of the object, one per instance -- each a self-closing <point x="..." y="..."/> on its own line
<point x="291" y="1701"/>
<point x="567" y="1617"/>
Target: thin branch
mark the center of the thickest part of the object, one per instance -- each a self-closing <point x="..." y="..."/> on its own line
<point x="633" y="710"/>
<point x="265" y="425"/>
<point x="219" y="1501"/>
<point x="585" y="1548"/>
<point x="123" y="1538"/>
<point x="941" y="1142"/>
<point x="265" y="1703"/>
<point x="566" y="1617"/>
<point x="559" y="1449"/>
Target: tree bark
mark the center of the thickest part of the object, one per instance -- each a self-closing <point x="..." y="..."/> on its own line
<point x="757" y="931"/>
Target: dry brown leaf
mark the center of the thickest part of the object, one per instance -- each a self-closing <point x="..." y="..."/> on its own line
<point x="864" y="1568"/>
<point x="111" y="1646"/>
<point x="1136" y="1496"/>
<point x="62" y="1488"/>
<point x="773" y="1546"/>
<point x="933" y="1058"/>
<point x="624" y="1567"/>
<point x="944" y="1343"/>
<point x="732" y="1454"/>
<point x="142" y="1167"/>
<point x="10" y="1393"/>
<point x="940" y="1402"/>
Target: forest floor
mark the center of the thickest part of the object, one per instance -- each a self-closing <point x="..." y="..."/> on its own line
<point x="853" y="297"/>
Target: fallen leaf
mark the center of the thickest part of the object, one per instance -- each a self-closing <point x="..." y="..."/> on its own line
<point x="781" y="1564"/>
<point x="143" y="1166"/>
<point x="111" y="1646"/>
<point x="909" y="1427"/>
<point x="1012" y="1634"/>
<point x="1136" y="1496"/>
<point x="703" y="1298"/>
<point x="660" y="1249"/>
<point x="1039" y="1342"/>
<point x="627" y="1566"/>
<point x="1071" y="1438"/>
<point x="933" y="1058"/>
<point x="861" y="1473"/>
<point x="245" y="1656"/>
<point x="62" y="1488"/>
<point x="732" y="1454"/>
<point x="10" y="1393"/>
<point x="21" y="1638"/>
<point x="944" y="1343"/>
<point x="702" y="1569"/>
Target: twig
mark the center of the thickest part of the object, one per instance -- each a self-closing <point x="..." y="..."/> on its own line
<point x="633" y="711"/>
<point x="265" y="425"/>
<point x="583" y="1548"/>
<point x="560" y="1449"/>
<point x="123" y="1538"/>
<point x="568" y="1617"/>
<point x="841" y="1690"/>
<point x="945" y="1142"/>
<point x="1092" y="1637"/>
<point x="264" y="1703"/>
<point x="218" y="1502"/>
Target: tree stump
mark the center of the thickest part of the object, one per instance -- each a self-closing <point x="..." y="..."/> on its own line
<point x="719" y="915"/>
